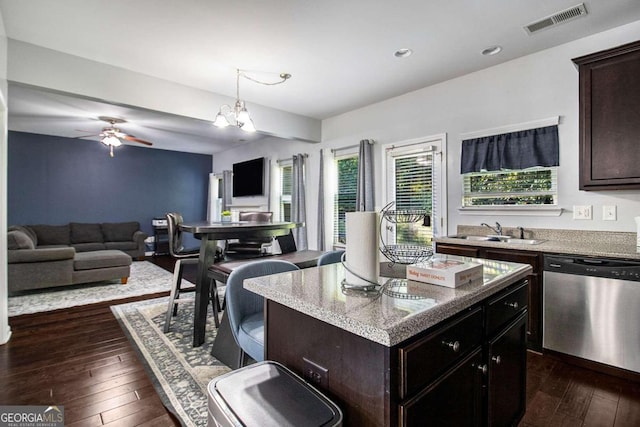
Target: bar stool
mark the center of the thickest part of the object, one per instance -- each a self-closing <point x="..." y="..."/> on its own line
<point x="183" y="257"/>
<point x="268" y="394"/>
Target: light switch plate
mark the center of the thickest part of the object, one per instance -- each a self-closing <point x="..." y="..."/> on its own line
<point x="609" y="213"/>
<point x="582" y="212"/>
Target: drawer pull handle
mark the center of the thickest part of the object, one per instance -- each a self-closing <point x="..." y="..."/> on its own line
<point x="497" y="359"/>
<point x="483" y="369"/>
<point x="455" y="346"/>
<point x="513" y="305"/>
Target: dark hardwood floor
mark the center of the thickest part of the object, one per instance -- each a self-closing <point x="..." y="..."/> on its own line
<point x="80" y="358"/>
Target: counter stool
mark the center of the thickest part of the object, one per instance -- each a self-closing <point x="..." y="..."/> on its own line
<point x="183" y="257"/>
<point x="268" y="394"/>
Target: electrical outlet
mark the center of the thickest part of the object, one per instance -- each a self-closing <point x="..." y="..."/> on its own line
<point x="582" y="212"/>
<point x="315" y="374"/>
<point x="609" y="213"/>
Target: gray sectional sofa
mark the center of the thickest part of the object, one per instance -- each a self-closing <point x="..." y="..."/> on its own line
<point x="42" y="256"/>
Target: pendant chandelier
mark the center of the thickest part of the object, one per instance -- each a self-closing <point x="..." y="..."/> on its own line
<point x="238" y="115"/>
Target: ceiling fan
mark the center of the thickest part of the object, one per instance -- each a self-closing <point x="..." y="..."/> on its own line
<point x="111" y="136"/>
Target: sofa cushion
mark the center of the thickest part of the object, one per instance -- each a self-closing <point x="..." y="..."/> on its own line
<point x="86" y="247"/>
<point x="52" y="234"/>
<point x="119" y="231"/>
<point x="19" y="240"/>
<point x="86" y="233"/>
<point x="100" y="259"/>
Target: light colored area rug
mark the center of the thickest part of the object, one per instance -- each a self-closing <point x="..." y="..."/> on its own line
<point x="180" y="373"/>
<point x="146" y="278"/>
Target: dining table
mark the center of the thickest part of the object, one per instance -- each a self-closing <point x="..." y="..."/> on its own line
<point x="209" y="233"/>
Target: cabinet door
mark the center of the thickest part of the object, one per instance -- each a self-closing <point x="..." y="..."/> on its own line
<point x="455" y="399"/>
<point x="609" y="125"/>
<point x="506" y="386"/>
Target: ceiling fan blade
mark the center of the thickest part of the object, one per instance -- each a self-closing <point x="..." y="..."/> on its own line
<point x="141" y="141"/>
<point x="86" y="136"/>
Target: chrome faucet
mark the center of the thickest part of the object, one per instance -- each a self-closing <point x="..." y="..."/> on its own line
<point x="497" y="230"/>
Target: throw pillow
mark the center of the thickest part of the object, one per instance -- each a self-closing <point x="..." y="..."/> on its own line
<point x="119" y="231"/>
<point x="52" y="234"/>
<point x="26" y="230"/>
<point x="19" y="240"/>
<point x="86" y="233"/>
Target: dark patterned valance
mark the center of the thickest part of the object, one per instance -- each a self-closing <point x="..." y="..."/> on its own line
<point x="515" y="150"/>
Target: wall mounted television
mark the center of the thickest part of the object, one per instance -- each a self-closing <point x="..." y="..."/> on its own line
<point x="248" y="178"/>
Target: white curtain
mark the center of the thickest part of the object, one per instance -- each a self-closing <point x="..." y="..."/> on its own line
<point x="364" y="188"/>
<point x="298" y="201"/>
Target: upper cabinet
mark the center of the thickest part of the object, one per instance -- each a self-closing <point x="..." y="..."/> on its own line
<point x="610" y="118"/>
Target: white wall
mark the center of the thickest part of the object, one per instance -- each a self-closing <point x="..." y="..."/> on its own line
<point x="534" y="87"/>
<point x="5" y="331"/>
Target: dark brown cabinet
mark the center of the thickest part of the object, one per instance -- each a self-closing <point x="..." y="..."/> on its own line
<point x="609" y="111"/>
<point x="534" y="259"/>
<point x="468" y="370"/>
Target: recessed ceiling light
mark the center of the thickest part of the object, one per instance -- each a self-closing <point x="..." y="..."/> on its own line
<point x="493" y="50"/>
<point x="402" y="53"/>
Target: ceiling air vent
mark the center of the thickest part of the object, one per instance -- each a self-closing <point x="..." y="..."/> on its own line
<point x="557" y="18"/>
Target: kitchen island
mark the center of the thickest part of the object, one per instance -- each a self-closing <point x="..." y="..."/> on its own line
<point x="409" y="353"/>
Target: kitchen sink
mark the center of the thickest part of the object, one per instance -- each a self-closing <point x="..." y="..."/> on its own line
<point x="503" y="239"/>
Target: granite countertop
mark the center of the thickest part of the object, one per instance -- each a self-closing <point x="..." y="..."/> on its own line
<point x="576" y="242"/>
<point x="387" y="320"/>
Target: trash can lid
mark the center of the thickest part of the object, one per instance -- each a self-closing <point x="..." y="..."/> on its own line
<point x="267" y="393"/>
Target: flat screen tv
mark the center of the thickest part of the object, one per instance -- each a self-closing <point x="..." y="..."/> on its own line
<point x="248" y="178"/>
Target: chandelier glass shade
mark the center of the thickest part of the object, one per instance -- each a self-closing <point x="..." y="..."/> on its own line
<point x="238" y="115"/>
<point x="111" y="141"/>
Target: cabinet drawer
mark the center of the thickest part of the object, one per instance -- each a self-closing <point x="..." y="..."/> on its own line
<point x="457" y="250"/>
<point x="423" y="360"/>
<point x="506" y="306"/>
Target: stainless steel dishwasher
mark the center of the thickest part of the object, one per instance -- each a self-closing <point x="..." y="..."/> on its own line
<point x="591" y="309"/>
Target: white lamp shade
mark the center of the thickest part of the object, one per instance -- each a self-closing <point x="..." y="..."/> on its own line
<point x="248" y="126"/>
<point x="220" y="121"/>
<point x="243" y="116"/>
<point x="111" y="140"/>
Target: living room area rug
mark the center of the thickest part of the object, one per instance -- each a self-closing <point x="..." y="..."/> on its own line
<point x="179" y="372"/>
<point x="145" y="278"/>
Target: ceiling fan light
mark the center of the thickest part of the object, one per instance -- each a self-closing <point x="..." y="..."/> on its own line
<point x="111" y="141"/>
<point x="248" y="126"/>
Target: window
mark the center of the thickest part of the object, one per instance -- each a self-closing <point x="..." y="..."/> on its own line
<point x="535" y="186"/>
<point x="286" y="173"/>
<point x="345" y="194"/>
<point x="415" y="180"/>
<point x="512" y="168"/>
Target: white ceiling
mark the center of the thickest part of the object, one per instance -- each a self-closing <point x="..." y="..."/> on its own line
<point x="340" y="52"/>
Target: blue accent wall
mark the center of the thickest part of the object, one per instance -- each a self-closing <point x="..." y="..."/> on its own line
<point x="55" y="180"/>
